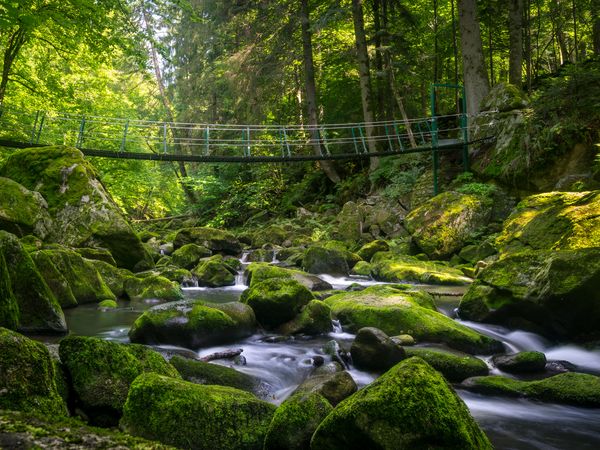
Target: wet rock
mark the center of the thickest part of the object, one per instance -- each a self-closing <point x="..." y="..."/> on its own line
<point x="455" y="366"/>
<point x="335" y="386"/>
<point x="100" y="254"/>
<point x="410" y="406"/>
<point x="404" y="339"/>
<point x="256" y="272"/>
<point x="213" y="272"/>
<point x="367" y="251"/>
<point x="185" y="414"/>
<point x="374" y="350"/>
<point x="22" y="211"/>
<point x="321" y="260"/>
<point x="523" y="362"/>
<point x="404" y="268"/>
<point x="218" y="241"/>
<point x="152" y="287"/>
<point x="113" y="277"/>
<point x="189" y="255"/>
<point x="314" y="319"/>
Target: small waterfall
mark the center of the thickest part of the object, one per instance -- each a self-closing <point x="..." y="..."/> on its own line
<point x="337" y="326"/>
<point x="239" y="278"/>
<point x="275" y="260"/>
<point x="244" y="258"/>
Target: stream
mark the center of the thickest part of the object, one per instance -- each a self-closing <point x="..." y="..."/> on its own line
<point x="510" y="423"/>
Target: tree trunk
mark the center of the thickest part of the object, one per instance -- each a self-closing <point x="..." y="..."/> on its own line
<point x="311" y="91"/>
<point x="166" y="101"/>
<point x="365" y="76"/>
<point x="455" y="54"/>
<point x="475" y="75"/>
<point x="379" y="60"/>
<point x="515" y="32"/>
<point x="15" y="42"/>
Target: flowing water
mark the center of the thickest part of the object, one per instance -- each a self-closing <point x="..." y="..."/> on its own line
<point x="282" y="364"/>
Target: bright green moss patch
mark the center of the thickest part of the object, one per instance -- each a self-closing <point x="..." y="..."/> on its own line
<point x="315" y="318"/>
<point x="9" y="310"/>
<point x="211" y="238"/>
<point x="410" y="406"/>
<point x="404" y="268"/>
<point x="454" y="366"/>
<point x="152" y="287"/>
<point x="189" y="255"/>
<point x="190" y="415"/>
<point x="22" y="211"/>
<point x="213" y="272"/>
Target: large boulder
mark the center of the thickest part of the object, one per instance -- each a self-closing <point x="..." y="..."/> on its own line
<point x="114" y="277"/>
<point x="9" y="309"/>
<point x="372" y="349"/>
<point x="102" y="371"/>
<point x="410" y="406"/>
<point x="553" y="221"/>
<point x="194" y="324"/>
<point x="73" y="279"/>
<point x="27" y="377"/>
<point x="443" y="224"/>
<point x="39" y="311"/>
<point x="399" y="310"/>
<point x="367" y="251"/>
<point x="333" y="386"/>
<point x="276" y="300"/>
<point x="218" y="241"/>
<point x="189" y="415"/>
<point x="455" y="366"/>
<point x="22" y="211"/>
<point x="557" y="290"/>
<point x="214" y="272"/>
<point x="188" y="256"/>
<point x="83" y="213"/>
<point x="152" y="287"/>
<point x="578" y="389"/>
<point x="522" y="362"/>
<point x="257" y="272"/>
<point x="315" y="318"/>
<point x="322" y="260"/>
<point x="404" y="268"/>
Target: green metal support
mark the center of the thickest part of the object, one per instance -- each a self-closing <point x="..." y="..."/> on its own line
<point x="354" y="141"/>
<point x="79" y="143"/>
<point x="324" y="138"/>
<point x="124" y="139"/>
<point x="247" y="141"/>
<point x="207" y="141"/>
<point x="39" y="132"/>
<point x="362" y="138"/>
<point x="287" y="144"/>
<point x="387" y="134"/>
<point x="398" y="136"/>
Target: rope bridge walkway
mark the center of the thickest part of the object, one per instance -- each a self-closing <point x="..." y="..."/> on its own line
<point x="193" y="142"/>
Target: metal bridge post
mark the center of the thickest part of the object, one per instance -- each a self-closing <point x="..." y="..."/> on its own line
<point x="124" y="140"/>
<point x="79" y="142"/>
<point x="324" y="137"/>
<point x="247" y="141"/>
<point x="354" y="141"/>
<point x="398" y="136"/>
<point x="362" y="138"/>
<point x="387" y="134"/>
<point x="287" y="144"/>
<point x="207" y="141"/>
<point x="39" y="132"/>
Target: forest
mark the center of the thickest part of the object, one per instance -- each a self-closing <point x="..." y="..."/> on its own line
<point x="300" y="224"/>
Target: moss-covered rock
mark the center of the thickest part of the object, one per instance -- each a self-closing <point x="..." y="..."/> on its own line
<point x="272" y="234"/>
<point x="553" y="221"/>
<point x="190" y="415"/>
<point x="71" y="277"/>
<point x="152" y="287"/>
<point x="107" y="304"/>
<point x="102" y="371"/>
<point x="522" y="362"/>
<point x="295" y="421"/>
<point x="39" y="311"/>
<point x="22" y="211"/>
<point x="455" y="366"/>
<point x="217" y="241"/>
<point x="404" y="268"/>
<point x="362" y="268"/>
<point x="27" y="376"/>
<point x="113" y="277"/>
<point x="193" y="324"/>
<point x="504" y="97"/>
<point x="276" y="301"/>
<point x="475" y="253"/>
<point x="213" y="272"/>
<point x="82" y="212"/>
<point x="315" y="318"/>
<point x="25" y="430"/>
<point x="9" y="309"/>
<point x="188" y="256"/>
<point x="100" y="254"/>
<point x="410" y="406"/>
<point x="321" y="260"/>
<point x="555" y="289"/>
<point x="400" y="310"/>
<point x="442" y="225"/>
<point x="173" y="273"/>
<point x="570" y="388"/>
<point x="367" y="251"/>
<point x="257" y="272"/>
<point x="201" y="372"/>
<point x="333" y="386"/>
<point x="372" y="349"/>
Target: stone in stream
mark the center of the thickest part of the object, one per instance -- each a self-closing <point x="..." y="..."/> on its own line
<point x="455" y="366"/>
<point x="367" y="251"/>
<point x="257" y="272"/>
<point x="152" y="287"/>
<point x="403" y="268"/>
<point x="410" y="406"/>
<point x="323" y="260"/>
<point x="577" y="389"/>
<point x="214" y="272"/>
<point x="189" y="255"/>
<point x="522" y="362"/>
<point x="218" y="241"/>
<point x="194" y="324"/>
<point x="82" y="212"/>
<point x="333" y="386"/>
<point x="400" y="309"/>
<point x="314" y="319"/>
<point x="372" y="349"/>
<point x="38" y="308"/>
<point x="114" y="277"/>
<point x="188" y="415"/>
<point x="28" y="377"/>
<point x="100" y="373"/>
<point x="276" y="301"/>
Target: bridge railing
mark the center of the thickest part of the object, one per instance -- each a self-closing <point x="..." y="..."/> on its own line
<point x="142" y="136"/>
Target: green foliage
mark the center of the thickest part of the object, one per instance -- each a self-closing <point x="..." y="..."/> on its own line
<point x="396" y="176"/>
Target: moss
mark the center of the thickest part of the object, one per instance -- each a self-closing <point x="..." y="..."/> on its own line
<point x="113" y="277"/>
<point x="271" y="234"/>
<point x="442" y="225"/>
<point x="189" y="255"/>
<point x="39" y="311"/>
<point x="213" y="272"/>
<point x="367" y="251"/>
<point x="211" y="238"/>
<point x="27" y="376"/>
<point x="333" y="386"/>
<point x="321" y="260"/>
<point x="295" y="421"/>
<point x="315" y="318"/>
<point x="54" y="279"/>
<point x="193" y="324"/>
<point x="100" y="254"/>
<point x="152" y="287"/>
<point x="37" y="431"/>
<point x="399" y="310"/>
<point x="374" y="350"/>
<point x="200" y="372"/>
<point x="454" y="366"/>
<point x="404" y="268"/>
<point x="276" y="300"/>
<point x="410" y="406"/>
<point x="195" y="416"/>
<point x="102" y="371"/>
<point x="107" y="304"/>
<point x="22" y="211"/>
<point x="570" y="388"/>
<point x="521" y="362"/>
<point x="362" y="268"/>
<point x="9" y="309"/>
<point x="257" y="272"/>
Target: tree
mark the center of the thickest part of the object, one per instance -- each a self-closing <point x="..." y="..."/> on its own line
<point x="475" y="75"/>
<point x="515" y="30"/>
<point x="596" y="26"/>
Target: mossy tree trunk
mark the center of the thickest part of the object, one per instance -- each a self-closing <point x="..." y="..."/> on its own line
<point x="515" y="31"/>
